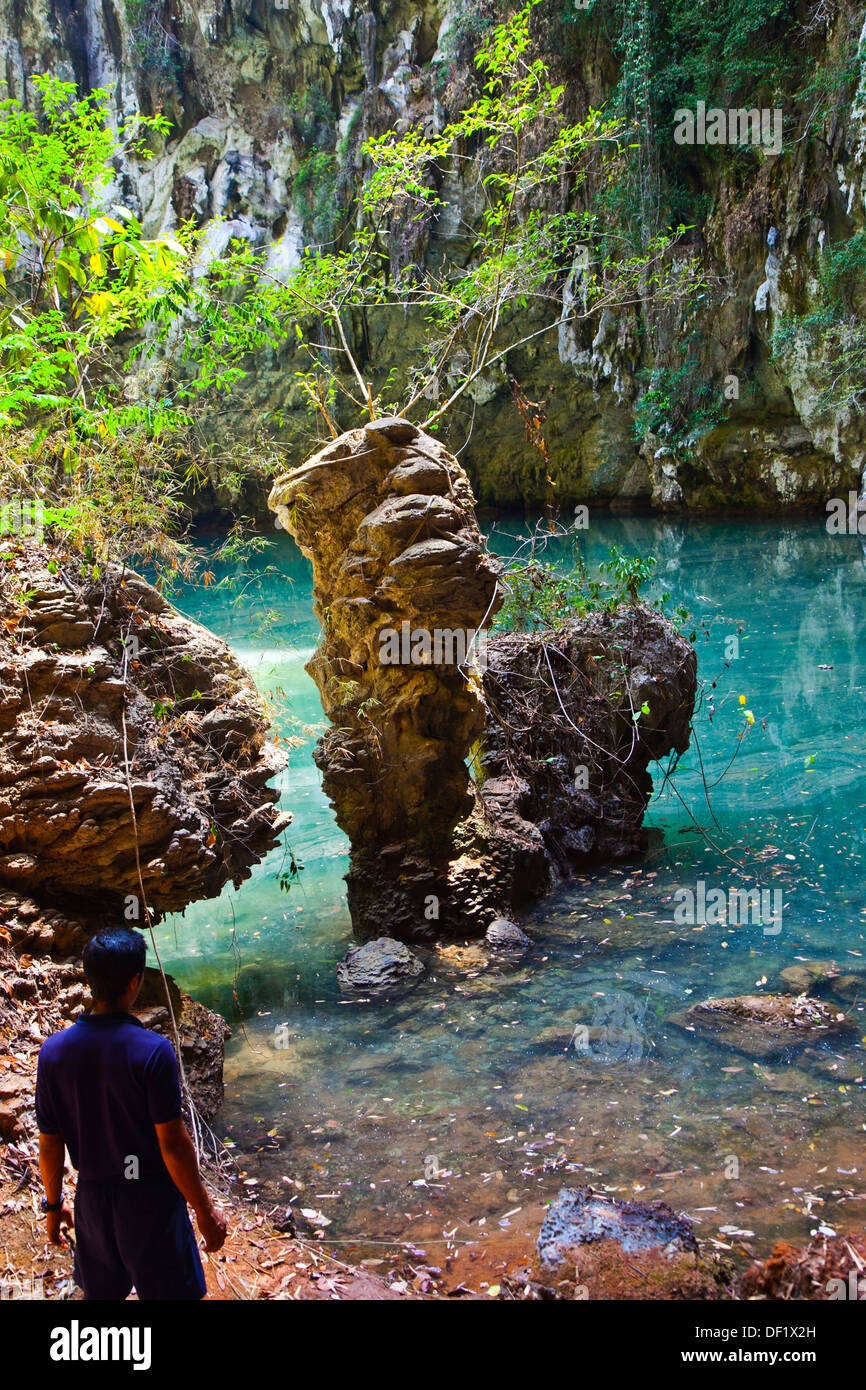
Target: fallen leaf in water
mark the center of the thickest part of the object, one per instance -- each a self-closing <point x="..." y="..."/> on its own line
<point x="315" y="1218"/>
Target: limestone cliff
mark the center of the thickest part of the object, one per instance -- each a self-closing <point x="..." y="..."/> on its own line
<point x="270" y="101"/>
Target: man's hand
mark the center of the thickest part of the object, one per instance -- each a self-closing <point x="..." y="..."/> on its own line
<point x="51" y="1151"/>
<point x="55" y="1223"/>
<point x="179" y="1157"/>
<point x="213" y="1227"/>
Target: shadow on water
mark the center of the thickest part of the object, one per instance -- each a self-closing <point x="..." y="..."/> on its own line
<point x="462" y="1106"/>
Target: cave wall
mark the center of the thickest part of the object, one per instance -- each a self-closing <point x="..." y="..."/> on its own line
<point x="258" y="89"/>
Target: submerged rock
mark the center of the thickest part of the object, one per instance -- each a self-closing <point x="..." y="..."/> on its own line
<point x="764" y="1025"/>
<point x="378" y="966"/>
<point x="506" y="938"/>
<point x="824" y="977"/>
<point x="593" y="1246"/>
<point x="804" y="975"/>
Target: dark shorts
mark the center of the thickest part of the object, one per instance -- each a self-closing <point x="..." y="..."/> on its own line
<point x="135" y="1236"/>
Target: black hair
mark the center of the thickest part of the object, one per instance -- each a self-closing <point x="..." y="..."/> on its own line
<point x="111" y="959"/>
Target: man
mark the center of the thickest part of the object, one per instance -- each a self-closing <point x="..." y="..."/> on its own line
<point x="107" y="1090"/>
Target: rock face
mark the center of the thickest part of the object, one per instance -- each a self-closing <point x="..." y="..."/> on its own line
<point x="99" y="675"/>
<point x="386" y="515"/>
<point x="43" y="989"/>
<point x="561" y="725"/>
<point x="564" y="759"/>
<point x="269" y="106"/>
<point x="379" y="967"/>
<point x="108" y="692"/>
<point x="593" y="1246"/>
<point x="766" y="1025"/>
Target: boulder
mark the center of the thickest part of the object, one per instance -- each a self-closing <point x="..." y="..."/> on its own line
<point x="132" y="685"/>
<point x="764" y="1025"/>
<point x="564" y="760"/>
<point x="506" y="938"/>
<point x="594" y="1246"/>
<point x="379" y="966"/>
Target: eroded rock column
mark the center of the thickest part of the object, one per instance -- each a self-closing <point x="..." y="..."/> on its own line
<point x="401" y="581"/>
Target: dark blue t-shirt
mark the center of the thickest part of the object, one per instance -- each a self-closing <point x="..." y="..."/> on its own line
<point x="103" y="1084"/>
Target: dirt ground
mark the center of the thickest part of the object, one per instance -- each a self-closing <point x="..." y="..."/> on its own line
<point x="256" y="1262"/>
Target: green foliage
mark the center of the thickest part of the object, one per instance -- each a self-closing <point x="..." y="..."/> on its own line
<point x="315" y="187"/>
<point x="719" y="54"/>
<point x="680" y="404"/>
<point x="628" y="573"/>
<point x="79" y="282"/>
<point x="291" y="876"/>
<point x="843" y="273"/>
<point x="153" y="47"/>
<point x="469" y="25"/>
<point x="75" y="275"/>
<point x="524" y="244"/>
<point x="829" y="88"/>
<point x="315" y="183"/>
<point x="313" y="117"/>
<point x="835" y="328"/>
<point x="109" y="339"/>
<point x="672" y="56"/>
<point x="540" y="596"/>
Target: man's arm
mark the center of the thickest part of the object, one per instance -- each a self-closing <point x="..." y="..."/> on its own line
<point x="178" y="1155"/>
<point x="51" y="1151"/>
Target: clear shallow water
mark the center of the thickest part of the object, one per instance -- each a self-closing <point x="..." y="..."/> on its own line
<point x="474" y="1076"/>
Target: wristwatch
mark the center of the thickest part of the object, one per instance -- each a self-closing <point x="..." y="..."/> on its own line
<point x="52" y="1206"/>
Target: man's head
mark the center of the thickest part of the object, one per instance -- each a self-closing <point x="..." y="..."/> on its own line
<point x="114" y="965"/>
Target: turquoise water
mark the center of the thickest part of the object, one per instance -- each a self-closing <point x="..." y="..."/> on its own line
<point x="475" y="1079"/>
